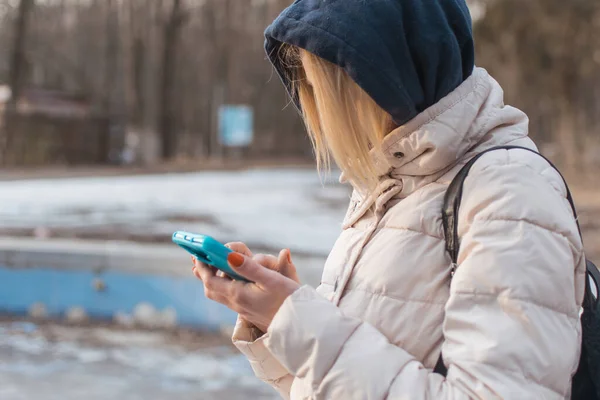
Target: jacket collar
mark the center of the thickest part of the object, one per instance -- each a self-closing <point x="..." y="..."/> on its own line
<point x="428" y="146"/>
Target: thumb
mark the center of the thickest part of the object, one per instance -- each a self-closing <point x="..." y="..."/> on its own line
<point x="250" y="269"/>
<point x="286" y="266"/>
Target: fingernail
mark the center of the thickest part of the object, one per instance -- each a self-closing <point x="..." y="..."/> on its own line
<point x="289" y="256"/>
<point x="235" y="259"/>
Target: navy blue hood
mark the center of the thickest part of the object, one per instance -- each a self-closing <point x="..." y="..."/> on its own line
<point x="406" y="54"/>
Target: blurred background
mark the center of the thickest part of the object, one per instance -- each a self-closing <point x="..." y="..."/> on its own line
<point x="124" y="120"/>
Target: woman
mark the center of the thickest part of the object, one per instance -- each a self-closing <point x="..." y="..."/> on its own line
<point x="388" y="88"/>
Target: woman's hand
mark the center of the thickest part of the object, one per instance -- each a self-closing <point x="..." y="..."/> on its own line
<point x="282" y="264"/>
<point x="256" y="302"/>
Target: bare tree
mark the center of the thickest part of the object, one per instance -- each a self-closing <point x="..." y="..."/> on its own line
<point x="17" y="70"/>
<point x="547" y="57"/>
<point x="164" y="67"/>
<point x="167" y="98"/>
<point x="17" y="67"/>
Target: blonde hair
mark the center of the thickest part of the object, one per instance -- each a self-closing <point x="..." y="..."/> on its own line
<point x="342" y="120"/>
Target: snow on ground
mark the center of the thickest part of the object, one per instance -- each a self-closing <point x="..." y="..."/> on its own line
<point x="70" y="363"/>
<point x="269" y="208"/>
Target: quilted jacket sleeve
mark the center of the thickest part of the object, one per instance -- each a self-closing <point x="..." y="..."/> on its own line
<point x="512" y="328"/>
<point x="250" y="341"/>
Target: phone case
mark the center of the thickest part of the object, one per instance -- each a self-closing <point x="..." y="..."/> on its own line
<point x="207" y="250"/>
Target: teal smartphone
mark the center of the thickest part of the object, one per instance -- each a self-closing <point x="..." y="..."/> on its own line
<point x="207" y="250"/>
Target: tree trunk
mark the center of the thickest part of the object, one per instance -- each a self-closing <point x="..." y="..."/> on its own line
<point x="16" y="72"/>
<point x="221" y="31"/>
<point x="167" y="81"/>
<point x="18" y="52"/>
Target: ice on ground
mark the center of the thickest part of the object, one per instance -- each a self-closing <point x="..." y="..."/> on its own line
<point x="276" y="208"/>
<point x="60" y="364"/>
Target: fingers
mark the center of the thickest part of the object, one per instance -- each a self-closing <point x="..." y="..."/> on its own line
<point x="204" y="272"/>
<point x="267" y="261"/>
<point x="282" y="264"/>
<point x="284" y="257"/>
<point x="287" y="267"/>
<point x="196" y="267"/>
<point x="222" y="274"/>
<point x="196" y="272"/>
<point x="221" y="288"/>
<point x="251" y="270"/>
<point x="239" y="247"/>
<point x="216" y="287"/>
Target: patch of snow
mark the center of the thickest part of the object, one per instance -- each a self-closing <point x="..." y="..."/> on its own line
<point x="275" y="207"/>
<point x="122" y="365"/>
<point x="25" y="344"/>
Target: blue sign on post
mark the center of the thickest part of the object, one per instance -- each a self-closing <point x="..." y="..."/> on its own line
<point x="236" y="125"/>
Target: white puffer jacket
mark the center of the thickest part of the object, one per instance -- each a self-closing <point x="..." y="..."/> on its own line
<point x="507" y="323"/>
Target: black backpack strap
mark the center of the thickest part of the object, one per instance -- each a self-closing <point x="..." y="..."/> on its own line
<point x="450" y="211"/>
<point x="453" y="199"/>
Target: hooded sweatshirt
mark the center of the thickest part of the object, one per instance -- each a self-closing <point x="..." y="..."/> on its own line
<point x="406" y="54"/>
